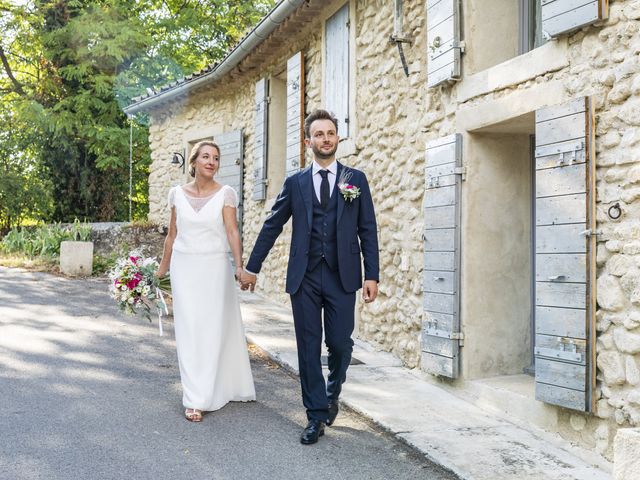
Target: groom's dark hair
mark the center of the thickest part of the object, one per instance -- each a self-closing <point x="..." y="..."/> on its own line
<point x="318" y="114"/>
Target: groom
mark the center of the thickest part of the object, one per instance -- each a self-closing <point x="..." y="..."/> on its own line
<point x="333" y="222"/>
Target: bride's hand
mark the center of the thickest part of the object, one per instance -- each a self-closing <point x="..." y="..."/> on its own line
<point x="239" y="271"/>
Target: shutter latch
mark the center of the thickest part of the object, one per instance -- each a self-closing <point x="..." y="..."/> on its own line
<point x="589" y="232"/>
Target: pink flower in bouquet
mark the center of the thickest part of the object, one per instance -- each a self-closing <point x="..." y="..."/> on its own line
<point x="134" y="285"/>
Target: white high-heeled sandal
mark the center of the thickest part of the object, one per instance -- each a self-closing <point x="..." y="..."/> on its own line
<point x="193" y="414"/>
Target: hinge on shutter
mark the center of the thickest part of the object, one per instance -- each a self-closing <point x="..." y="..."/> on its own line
<point x="570" y="148"/>
<point x="562" y="355"/>
<point x="461" y="45"/>
<point x="435" y="332"/>
<point x="462" y="171"/>
<point x="348" y="24"/>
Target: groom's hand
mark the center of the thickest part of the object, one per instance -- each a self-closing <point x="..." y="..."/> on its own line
<point x="248" y="281"/>
<point x="369" y="291"/>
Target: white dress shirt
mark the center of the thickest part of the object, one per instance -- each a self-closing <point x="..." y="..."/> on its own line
<point x="317" y="178"/>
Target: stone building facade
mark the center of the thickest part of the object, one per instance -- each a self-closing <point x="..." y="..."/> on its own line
<point x="485" y="117"/>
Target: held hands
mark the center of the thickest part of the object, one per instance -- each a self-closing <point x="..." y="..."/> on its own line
<point x="369" y="291"/>
<point x="238" y="275"/>
<point x="247" y="280"/>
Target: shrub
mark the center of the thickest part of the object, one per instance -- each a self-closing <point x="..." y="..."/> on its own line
<point x="44" y="240"/>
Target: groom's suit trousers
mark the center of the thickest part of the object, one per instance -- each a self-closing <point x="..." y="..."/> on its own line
<point x="320" y="290"/>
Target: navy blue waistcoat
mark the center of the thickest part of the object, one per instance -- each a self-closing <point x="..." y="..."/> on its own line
<point x="324" y="240"/>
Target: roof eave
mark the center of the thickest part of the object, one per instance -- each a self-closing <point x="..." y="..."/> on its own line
<point x="259" y="33"/>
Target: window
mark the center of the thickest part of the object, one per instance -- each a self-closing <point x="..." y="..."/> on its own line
<point x="277" y="135"/>
<point x="530" y="25"/>
<point x="499" y="30"/>
<point x="278" y="148"/>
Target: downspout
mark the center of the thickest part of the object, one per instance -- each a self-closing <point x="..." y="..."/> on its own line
<point x="261" y="31"/>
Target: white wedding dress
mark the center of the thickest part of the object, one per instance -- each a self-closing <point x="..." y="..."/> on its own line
<point x="212" y="351"/>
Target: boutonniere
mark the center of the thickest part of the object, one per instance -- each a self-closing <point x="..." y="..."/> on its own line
<point x="348" y="191"/>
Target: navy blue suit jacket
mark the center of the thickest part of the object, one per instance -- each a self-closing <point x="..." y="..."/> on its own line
<point x="356" y="231"/>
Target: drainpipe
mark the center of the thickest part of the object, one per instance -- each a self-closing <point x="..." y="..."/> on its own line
<point x="398" y="36"/>
<point x="261" y="31"/>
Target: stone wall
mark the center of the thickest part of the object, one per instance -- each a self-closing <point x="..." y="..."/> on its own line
<point x="396" y="115"/>
<point x="390" y="143"/>
<point x="227" y="107"/>
<point x="110" y="238"/>
<point x="603" y="62"/>
<point x="606" y="61"/>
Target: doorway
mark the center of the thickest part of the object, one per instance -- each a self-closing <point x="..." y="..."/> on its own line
<point x="498" y="255"/>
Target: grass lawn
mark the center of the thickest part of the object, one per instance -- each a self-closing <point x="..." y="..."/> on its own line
<point x="101" y="264"/>
<point x="35" y="264"/>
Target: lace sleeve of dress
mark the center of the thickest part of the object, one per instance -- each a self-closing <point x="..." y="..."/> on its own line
<point x="171" y="199"/>
<point x="230" y="197"/>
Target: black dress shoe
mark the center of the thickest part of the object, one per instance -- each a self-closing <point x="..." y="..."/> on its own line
<point x="333" y="412"/>
<point x="314" y="430"/>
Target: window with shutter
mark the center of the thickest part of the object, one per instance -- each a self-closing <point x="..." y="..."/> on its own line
<point x="443" y="41"/>
<point x="295" y="114"/>
<point x="261" y="141"/>
<point x="231" y="167"/>
<point x="562" y="16"/>
<point x="441" y="283"/>
<point x="336" y="76"/>
<point x="565" y="255"/>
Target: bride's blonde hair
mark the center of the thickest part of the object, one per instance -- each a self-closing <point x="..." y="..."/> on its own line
<point x="195" y="151"/>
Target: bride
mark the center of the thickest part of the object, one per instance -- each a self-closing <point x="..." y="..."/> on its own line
<point x="212" y="351"/>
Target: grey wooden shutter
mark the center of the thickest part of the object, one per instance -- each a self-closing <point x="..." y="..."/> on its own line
<point x="336" y="78"/>
<point x="565" y="255"/>
<point x="261" y="140"/>
<point x="443" y="41"/>
<point x="561" y="16"/>
<point x="295" y="114"/>
<point x="232" y="164"/>
<point x="441" y="284"/>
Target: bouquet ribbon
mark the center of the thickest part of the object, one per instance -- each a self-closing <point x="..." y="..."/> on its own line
<point x="164" y="307"/>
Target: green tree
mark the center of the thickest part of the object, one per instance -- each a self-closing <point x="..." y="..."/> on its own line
<point x="68" y="66"/>
<point x="24" y="190"/>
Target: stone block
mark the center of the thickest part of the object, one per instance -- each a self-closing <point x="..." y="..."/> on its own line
<point x="626" y="453"/>
<point x="76" y="258"/>
<point x="627" y="341"/>
<point x="611" y="364"/>
<point x="610" y="295"/>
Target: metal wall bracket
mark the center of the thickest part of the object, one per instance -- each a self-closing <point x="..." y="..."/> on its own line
<point x="400" y="39"/>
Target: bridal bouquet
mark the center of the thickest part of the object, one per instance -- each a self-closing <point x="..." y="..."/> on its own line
<point x="135" y="287"/>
